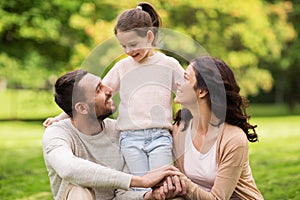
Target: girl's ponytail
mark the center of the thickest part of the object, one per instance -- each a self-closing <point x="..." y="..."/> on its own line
<point x="156" y="20"/>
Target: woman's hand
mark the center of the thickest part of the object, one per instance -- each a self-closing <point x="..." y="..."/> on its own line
<point x="172" y="187"/>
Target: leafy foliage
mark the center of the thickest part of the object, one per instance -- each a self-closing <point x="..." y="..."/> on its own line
<point x="258" y="39"/>
<point x="243" y="33"/>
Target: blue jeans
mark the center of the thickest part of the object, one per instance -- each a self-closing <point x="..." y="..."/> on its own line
<point x="146" y="149"/>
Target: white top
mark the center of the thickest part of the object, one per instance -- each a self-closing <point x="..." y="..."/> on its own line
<point x="200" y="168"/>
<point x="71" y="157"/>
<point x="145" y="91"/>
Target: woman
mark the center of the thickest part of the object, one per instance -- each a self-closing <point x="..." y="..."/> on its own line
<point x="211" y="134"/>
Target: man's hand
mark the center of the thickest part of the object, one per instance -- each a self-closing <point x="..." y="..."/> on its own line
<point x="153" y="177"/>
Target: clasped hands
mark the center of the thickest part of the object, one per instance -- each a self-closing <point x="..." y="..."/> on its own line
<point x="172" y="183"/>
<point x="171" y="187"/>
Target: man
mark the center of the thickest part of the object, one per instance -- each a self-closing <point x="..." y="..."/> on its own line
<point x="82" y="153"/>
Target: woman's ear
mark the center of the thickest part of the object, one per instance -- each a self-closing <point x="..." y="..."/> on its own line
<point x="81" y="108"/>
<point x="202" y="93"/>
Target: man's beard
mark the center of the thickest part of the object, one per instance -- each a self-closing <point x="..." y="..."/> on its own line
<point x="103" y="115"/>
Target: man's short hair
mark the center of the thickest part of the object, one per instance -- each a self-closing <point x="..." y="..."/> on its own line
<point x="67" y="92"/>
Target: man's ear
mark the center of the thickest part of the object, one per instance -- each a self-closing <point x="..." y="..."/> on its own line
<point x="81" y="108"/>
<point x="202" y="93"/>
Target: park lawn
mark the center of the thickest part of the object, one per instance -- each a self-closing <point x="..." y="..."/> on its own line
<point x="22" y="170"/>
<point x="275" y="159"/>
<point x="27" y="105"/>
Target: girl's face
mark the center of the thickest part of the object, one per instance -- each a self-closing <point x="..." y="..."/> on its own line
<point x="136" y="46"/>
<point x="185" y="94"/>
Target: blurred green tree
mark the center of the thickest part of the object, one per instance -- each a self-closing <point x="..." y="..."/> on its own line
<point x="36" y="41"/>
<point x="245" y="34"/>
<point x="287" y="69"/>
<point x="41" y="39"/>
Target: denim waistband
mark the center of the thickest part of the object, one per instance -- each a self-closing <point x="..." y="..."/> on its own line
<point x="145" y="130"/>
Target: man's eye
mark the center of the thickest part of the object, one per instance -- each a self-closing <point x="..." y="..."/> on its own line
<point x="98" y="89"/>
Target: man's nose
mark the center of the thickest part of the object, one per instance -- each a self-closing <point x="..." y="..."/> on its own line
<point x="108" y="90"/>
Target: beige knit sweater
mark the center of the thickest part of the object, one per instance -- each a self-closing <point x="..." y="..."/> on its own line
<point x="89" y="161"/>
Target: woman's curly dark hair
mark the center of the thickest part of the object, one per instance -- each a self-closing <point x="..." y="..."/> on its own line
<point x="183" y="115"/>
<point x="226" y="103"/>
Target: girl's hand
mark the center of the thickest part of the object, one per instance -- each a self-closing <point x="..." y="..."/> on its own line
<point x="49" y="121"/>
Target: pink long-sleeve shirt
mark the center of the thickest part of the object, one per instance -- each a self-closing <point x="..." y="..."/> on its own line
<point x="145" y="91"/>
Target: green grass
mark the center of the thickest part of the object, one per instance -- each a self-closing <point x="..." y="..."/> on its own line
<point x="27" y="105"/>
<point x="271" y="110"/>
<point x="275" y="159"/>
<point x="22" y="171"/>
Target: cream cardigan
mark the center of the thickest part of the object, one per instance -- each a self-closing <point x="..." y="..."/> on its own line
<point x="234" y="178"/>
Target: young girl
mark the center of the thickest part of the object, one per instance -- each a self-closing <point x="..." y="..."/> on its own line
<point x="145" y="81"/>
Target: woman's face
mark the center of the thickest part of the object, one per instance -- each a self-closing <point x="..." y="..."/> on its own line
<point x="185" y="93"/>
<point x="136" y="46"/>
